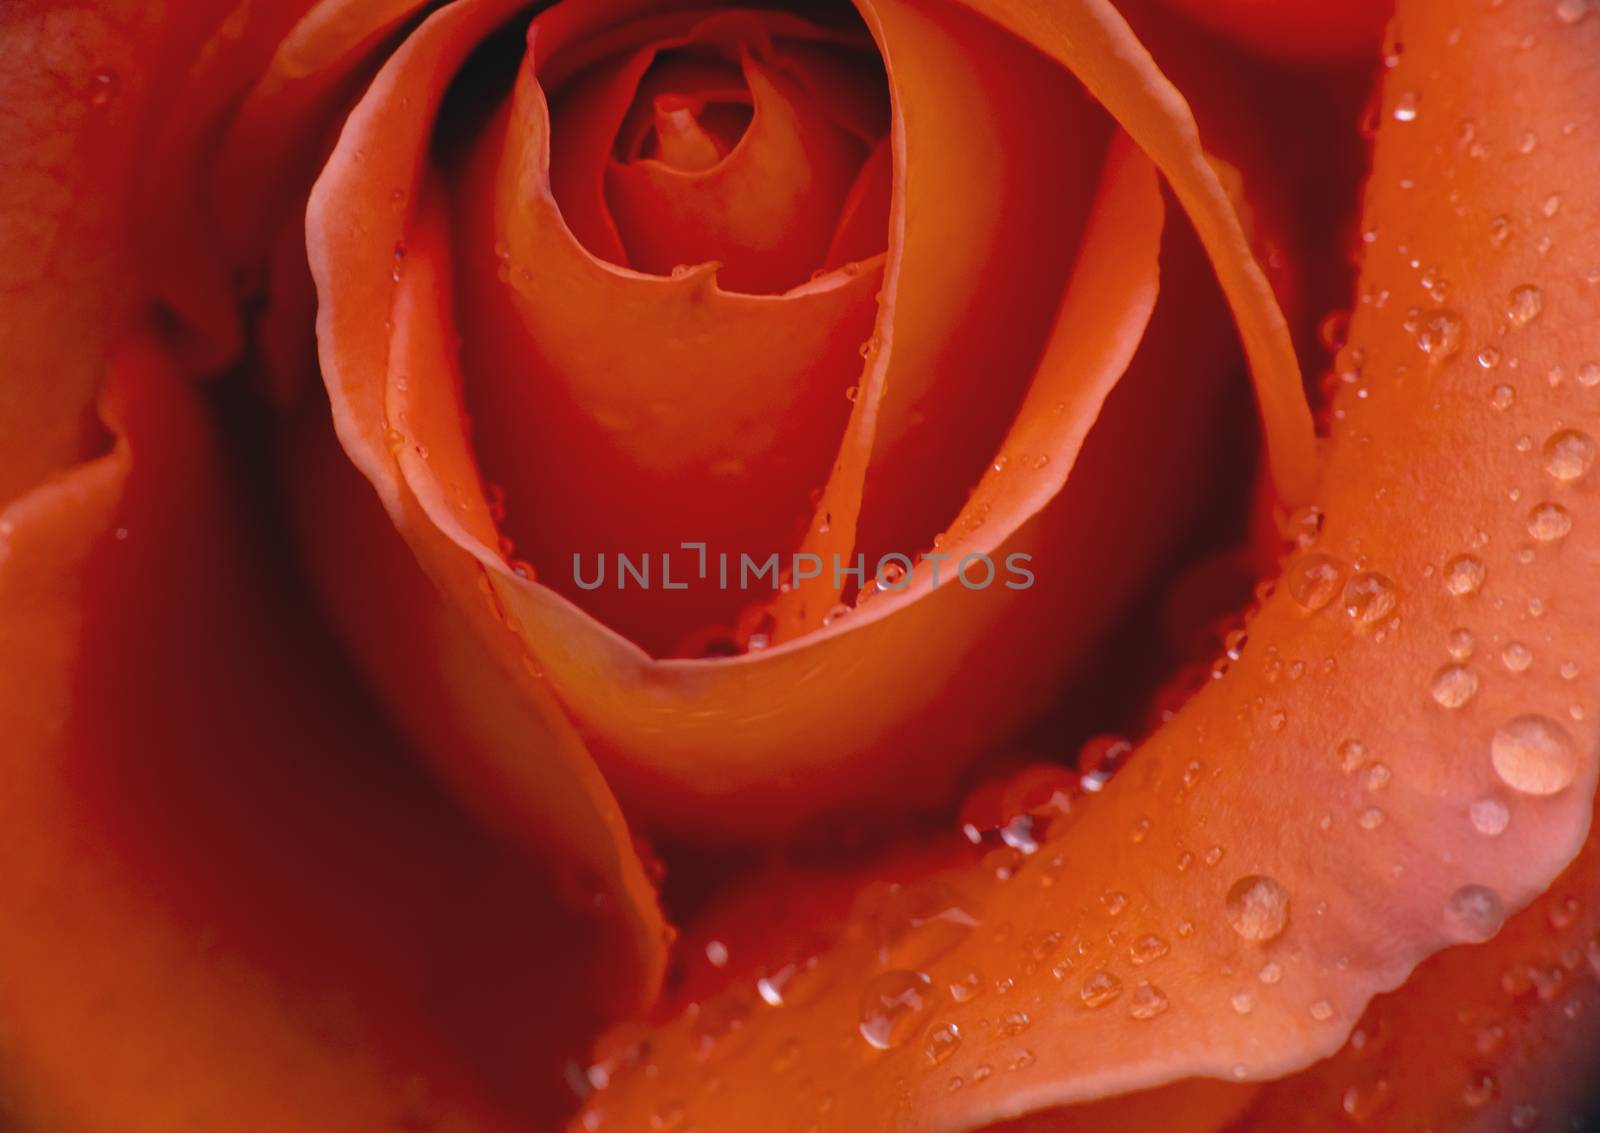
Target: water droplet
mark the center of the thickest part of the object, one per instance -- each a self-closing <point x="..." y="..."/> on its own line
<point x="1378" y="776"/>
<point x="1371" y="818"/>
<point x="1499" y="231"/>
<point x="1568" y="454"/>
<point x="1314" y="579"/>
<point x="1439" y="333"/>
<point x="1321" y="1010"/>
<point x="1475" y="912"/>
<point x="1148" y="949"/>
<point x="105" y="86"/>
<point x="1589" y="374"/>
<point x="1533" y="754"/>
<point x="1548" y="522"/>
<point x="1243" y="1002"/>
<point x="1463" y="575"/>
<point x="1258" y="908"/>
<point x="1352" y="754"/>
<point x="943" y="1042"/>
<point x="1015" y="1023"/>
<point x="965" y="987"/>
<point x="1524" y="304"/>
<point x="1115" y="902"/>
<point x="1502" y="397"/>
<point x="1453" y="686"/>
<point x="1099" y="988"/>
<point x="1368" y="597"/>
<point x="1479" y="1090"/>
<point x="1405" y="107"/>
<point x="893" y="1004"/>
<point x="1516" y="656"/>
<point x="1460" y="644"/>
<point x="1147" y="1001"/>
<point x="1571" y="11"/>
<point x="922" y="921"/>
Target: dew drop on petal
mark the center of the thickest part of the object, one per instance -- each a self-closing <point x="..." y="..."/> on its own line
<point x="1535" y="755"/>
<point x="1147" y="1001"/>
<point x="1147" y="949"/>
<point x="1524" y="304"/>
<point x="893" y="1004"/>
<point x="1516" y="656"/>
<point x="1568" y="454"/>
<point x="1548" y="522"/>
<point x="1439" y="333"/>
<point x="1475" y="912"/>
<point x="943" y="1042"/>
<point x="1099" y="988"/>
<point x="1352" y="754"/>
<point x="1369" y="597"/>
<point x="1453" y="686"/>
<point x="1314" y="579"/>
<point x="1258" y="908"/>
<point x="1488" y="816"/>
<point x="1464" y="575"/>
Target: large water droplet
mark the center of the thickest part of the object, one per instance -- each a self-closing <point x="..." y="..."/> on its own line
<point x="1369" y="597"/>
<point x="1516" y="656"/>
<point x="1475" y="912"/>
<point x="1453" y="686"/>
<point x="1147" y="949"/>
<point x="1568" y="454"/>
<point x="1314" y="579"/>
<point x="1524" y="304"/>
<point x="943" y="1042"/>
<point x="1147" y="1001"/>
<point x="1548" y="522"/>
<point x="922" y="921"/>
<point x="1099" y="988"/>
<point x="1533" y="754"/>
<point x="893" y="1005"/>
<point x="1439" y="333"/>
<point x="1463" y="575"/>
<point x="1258" y="908"/>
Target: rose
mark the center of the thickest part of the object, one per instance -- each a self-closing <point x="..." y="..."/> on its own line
<point x="134" y="554"/>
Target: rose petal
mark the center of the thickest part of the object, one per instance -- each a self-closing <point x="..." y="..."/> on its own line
<point x="941" y="386"/>
<point x="500" y="720"/>
<point x="229" y="900"/>
<point x="1093" y="40"/>
<point x="1301" y="31"/>
<point x="77" y="84"/>
<point x="656" y="437"/>
<point x="765" y="212"/>
<point x="1358" y="792"/>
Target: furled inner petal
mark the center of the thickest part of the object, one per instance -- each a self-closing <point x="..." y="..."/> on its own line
<point x="628" y="413"/>
<point x="765" y="208"/>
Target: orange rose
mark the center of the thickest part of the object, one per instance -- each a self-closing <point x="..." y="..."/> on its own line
<point x="791" y="430"/>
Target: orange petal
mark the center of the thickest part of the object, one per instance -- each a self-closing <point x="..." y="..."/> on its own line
<point x="496" y="731"/>
<point x="79" y="86"/>
<point x="1093" y="40"/>
<point x="220" y="874"/>
<point x="988" y="211"/>
<point x="608" y="444"/>
<point x="765" y="211"/>
<point x="1371" y="781"/>
<point x="1301" y="31"/>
